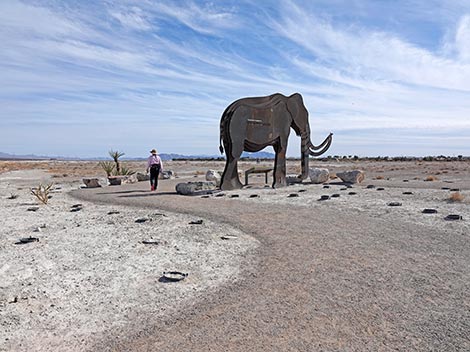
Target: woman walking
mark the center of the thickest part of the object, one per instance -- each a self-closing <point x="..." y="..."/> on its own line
<point x="154" y="164"/>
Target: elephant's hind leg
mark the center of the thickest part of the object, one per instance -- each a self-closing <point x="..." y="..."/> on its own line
<point x="280" y="165"/>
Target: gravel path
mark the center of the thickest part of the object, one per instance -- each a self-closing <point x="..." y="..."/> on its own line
<point x="326" y="280"/>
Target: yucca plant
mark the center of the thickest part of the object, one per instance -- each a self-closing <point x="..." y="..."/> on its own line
<point x="107" y="166"/>
<point x="126" y="171"/>
<point x="116" y="155"/>
<point x="42" y="192"/>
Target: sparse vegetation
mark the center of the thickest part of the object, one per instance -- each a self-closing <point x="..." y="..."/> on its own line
<point x="456" y="197"/>
<point x="380" y="177"/>
<point x="42" y="192"/>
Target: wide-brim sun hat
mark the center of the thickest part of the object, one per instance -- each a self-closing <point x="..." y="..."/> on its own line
<point x="153" y="151"/>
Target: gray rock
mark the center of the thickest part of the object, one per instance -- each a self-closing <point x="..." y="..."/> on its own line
<point x="214" y="176"/>
<point x="114" y="180"/>
<point x="318" y="175"/>
<point x="118" y="180"/>
<point x="354" y="176"/>
<point x="91" y="182"/>
<point x="169" y="174"/>
<point x="195" y="188"/>
<point x="291" y="179"/>
<point x="142" y="177"/>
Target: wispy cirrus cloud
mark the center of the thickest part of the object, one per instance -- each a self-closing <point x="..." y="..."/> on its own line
<point x="162" y="72"/>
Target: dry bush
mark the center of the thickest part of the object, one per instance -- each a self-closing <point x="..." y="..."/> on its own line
<point x="42" y="192"/>
<point x="456" y="197"/>
<point x="431" y="178"/>
<point x="199" y="172"/>
<point x="333" y="176"/>
<point x="379" y="177"/>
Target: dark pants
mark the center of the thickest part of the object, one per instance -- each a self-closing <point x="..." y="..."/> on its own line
<point x="154" y="172"/>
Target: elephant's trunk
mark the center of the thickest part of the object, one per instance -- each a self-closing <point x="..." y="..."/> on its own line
<point x="304" y="154"/>
<point x="322" y="148"/>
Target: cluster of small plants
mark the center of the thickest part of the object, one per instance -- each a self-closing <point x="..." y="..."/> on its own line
<point x="115" y="168"/>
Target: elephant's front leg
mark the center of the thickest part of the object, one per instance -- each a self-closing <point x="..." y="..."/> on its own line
<point x="230" y="178"/>
<point x="280" y="166"/>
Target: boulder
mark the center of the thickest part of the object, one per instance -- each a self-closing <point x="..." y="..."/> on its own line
<point x="318" y="175"/>
<point x="142" y="177"/>
<point x="122" y="179"/>
<point x="354" y="176"/>
<point x="195" y="188"/>
<point x="214" y="176"/>
<point x="91" y="182"/>
<point x="165" y="175"/>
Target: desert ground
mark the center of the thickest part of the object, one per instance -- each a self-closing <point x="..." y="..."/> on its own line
<point x="268" y="269"/>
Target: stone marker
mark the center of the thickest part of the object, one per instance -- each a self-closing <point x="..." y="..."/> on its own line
<point x="354" y="176"/>
<point x="91" y="182"/>
<point x="318" y="175"/>
<point x="195" y="188"/>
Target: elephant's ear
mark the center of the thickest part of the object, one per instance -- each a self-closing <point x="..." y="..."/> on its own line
<point x="293" y="105"/>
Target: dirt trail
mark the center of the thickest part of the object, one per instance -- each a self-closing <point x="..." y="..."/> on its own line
<point x="325" y="281"/>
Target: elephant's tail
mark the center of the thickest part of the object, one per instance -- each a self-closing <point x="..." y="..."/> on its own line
<point x="220" y="146"/>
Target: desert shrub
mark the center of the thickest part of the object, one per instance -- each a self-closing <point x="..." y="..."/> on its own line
<point x="431" y="178"/>
<point x="42" y="192"/>
<point x="456" y="197"/>
<point x="380" y="177"/>
<point x="333" y="176"/>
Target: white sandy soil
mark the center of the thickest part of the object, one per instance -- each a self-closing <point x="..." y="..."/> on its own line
<point x="90" y="271"/>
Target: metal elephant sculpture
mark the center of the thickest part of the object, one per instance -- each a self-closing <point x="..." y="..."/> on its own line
<point x="251" y="124"/>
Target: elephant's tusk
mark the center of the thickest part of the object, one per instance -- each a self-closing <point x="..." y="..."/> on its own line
<point x="327" y="140"/>
<point x="325" y="145"/>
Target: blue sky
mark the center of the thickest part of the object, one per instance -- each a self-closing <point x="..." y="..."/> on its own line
<point x="81" y="78"/>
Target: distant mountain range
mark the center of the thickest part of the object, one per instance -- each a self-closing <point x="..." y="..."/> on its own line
<point x="164" y="156"/>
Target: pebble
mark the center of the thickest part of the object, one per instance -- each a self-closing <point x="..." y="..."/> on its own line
<point x="292" y="195"/>
<point x="196" y="222"/>
<point x="394" y="204"/>
<point x="33" y="209"/>
<point x="324" y="197"/>
<point x="429" y="211"/>
<point x="453" y="217"/>
<point x="336" y="195"/>
<point x="352" y="193"/>
<point x="234" y="196"/>
<point x="142" y="220"/>
<point x="380" y="189"/>
<point x="254" y="196"/>
<point x="370" y="186"/>
<point x="407" y="192"/>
